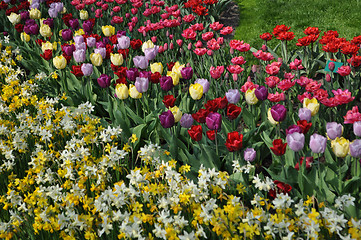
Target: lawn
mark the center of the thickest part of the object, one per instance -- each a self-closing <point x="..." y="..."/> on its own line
<point x="258" y="16"/>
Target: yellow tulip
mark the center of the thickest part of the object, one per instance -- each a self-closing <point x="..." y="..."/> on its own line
<point x="25" y="37"/>
<point x="116" y="59"/>
<point x="122" y="91"/>
<point x="311" y="104"/>
<point x="45" y="30"/>
<point x="340" y="146"/>
<point x="14" y="18"/>
<point x="175" y="77"/>
<point x="84" y="15"/>
<point x="35" y="13"/>
<point x="270" y="118"/>
<point x="133" y="92"/>
<point x="46" y="46"/>
<point x="156" y="67"/>
<point x="196" y="91"/>
<point x="147" y="44"/>
<point x="251" y="98"/>
<point x="96" y="59"/>
<point x="108" y="30"/>
<point x="176" y="113"/>
<point x="59" y="62"/>
<point x="177" y="68"/>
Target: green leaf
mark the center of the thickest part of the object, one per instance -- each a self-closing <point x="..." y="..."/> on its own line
<point x="134" y="116"/>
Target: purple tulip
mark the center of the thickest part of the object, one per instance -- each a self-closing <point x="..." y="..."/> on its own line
<point x="214" y="121"/>
<point x="278" y="112"/>
<point x="67" y="34"/>
<point x="355" y="148"/>
<point x="166" y="119"/>
<point x="49" y="22"/>
<point x="69" y="49"/>
<point x="187" y="73"/>
<point x="304" y="114"/>
<point x="87" y="69"/>
<point x="261" y="93"/>
<point x="101" y="51"/>
<point x="357" y="128"/>
<point x="293" y="128"/>
<point x="233" y="96"/>
<point x="79" y="55"/>
<point x="296" y="141"/>
<point x="186" y="120"/>
<point x="318" y="143"/>
<point x="145" y="74"/>
<point x="74" y="23"/>
<point x="249" y="154"/>
<point x="123" y="42"/>
<point x="166" y="83"/>
<point x="78" y="39"/>
<point x="80" y="46"/>
<point x="141" y="84"/>
<point x="151" y="53"/>
<point x="25" y="15"/>
<point x="204" y="83"/>
<point x="31" y="28"/>
<point x="91" y="42"/>
<point x="52" y="13"/>
<point x="58" y="6"/>
<point x="100" y="45"/>
<point x="88" y="26"/>
<point x="104" y="81"/>
<point x="334" y="130"/>
<point x="140" y="62"/>
<point x="132" y="74"/>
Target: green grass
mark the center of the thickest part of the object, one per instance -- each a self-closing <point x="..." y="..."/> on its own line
<point x="259" y="16"/>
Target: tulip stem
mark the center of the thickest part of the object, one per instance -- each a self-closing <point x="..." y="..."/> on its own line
<point x="216" y="143"/>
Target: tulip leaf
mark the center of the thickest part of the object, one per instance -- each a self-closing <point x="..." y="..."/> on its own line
<point x="248" y="118"/>
<point x="135" y="117"/>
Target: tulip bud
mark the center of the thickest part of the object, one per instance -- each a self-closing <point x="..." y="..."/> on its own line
<point x="87" y="69"/>
<point x="355" y="148"/>
<point x="122" y="91"/>
<point x="196" y="91"/>
<point x="261" y="93"/>
<point x="141" y="84"/>
<point x="304" y="114"/>
<point x="334" y="130"/>
<point x="357" y="128"/>
<point x="296" y="141"/>
<point x="186" y="121"/>
<point x="233" y="96"/>
<point x="328" y="77"/>
<point x="318" y="143"/>
<point x="331" y="66"/>
<point x="249" y="154"/>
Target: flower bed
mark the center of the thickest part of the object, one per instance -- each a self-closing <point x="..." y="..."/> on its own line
<point x="138" y="120"/>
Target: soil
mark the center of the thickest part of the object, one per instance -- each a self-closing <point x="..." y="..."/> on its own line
<point x="230" y="17"/>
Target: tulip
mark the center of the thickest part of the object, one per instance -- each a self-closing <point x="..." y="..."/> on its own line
<point x="69" y="49"/>
<point x="79" y="55"/>
<point x="45" y="31"/>
<point x="249" y="154"/>
<point x="278" y="112"/>
<point x="102" y="51"/>
<point x="270" y="118"/>
<point x="166" y="83"/>
<point x="74" y="23"/>
<point x="67" y="34"/>
<point x="104" y="81"/>
<point x="233" y="96"/>
<point x="140" y="62"/>
<point x="305" y="114"/>
<point x="14" y="18"/>
<point x="175" y="77"/>
<point x="204" y="83"/>
<point x="151" y="53"/>
<point x="328" y="78"/>
<point x="147" y="44"/>
<point x="357" y="128"/>
<point x="91" y="42"/>
<point x="318" y="143"/>
<point x="145" y="74"/>
<point x="186" y="121"/>
<point x="234" y="141"/>
<point x="132" y="74"/>
<point x="293" y="128"/>
<point x="355" y="148"/>
<point x="195" y="133"/>
<point x="123" y="42"/>
<point x="78" y="39"/>
<point x="87" y="69"/>
<point x="116" y="59"/>
<point x="176" y="113"/>
<point x="340" y="146"/>
<point x="187" y="73"/>
<point x="334" y="130"/>
<point x="251" y="98"/>
<point x="331" y="66"/>
<point x="196" y="91"/>
<point x="96" y="59"/>
<point x="25" y="37"/>
<point x="108" y="30"/>
<point x="84" y="15"/>
<point x="122" y="91"/>
<point x="344" y="70"/>
<point x="141" y="84"/>
<point x="311" y="104"/>
<point x="296" y="141"/>
<point x="59" y="62"/>
<point x="261" y="93"/>
<point x="133" y="92"/>
<point x="167" y="119"/>
<point x="156" y="67"/>
<point x="87" y="26"/>
<point x="214" y="121"/>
